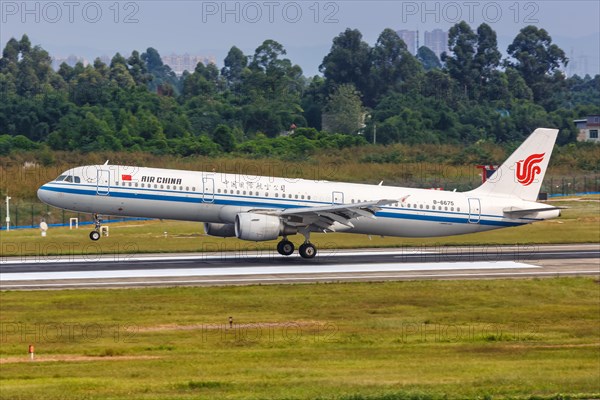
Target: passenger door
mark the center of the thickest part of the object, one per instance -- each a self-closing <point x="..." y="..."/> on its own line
<point x="103" y="182"/>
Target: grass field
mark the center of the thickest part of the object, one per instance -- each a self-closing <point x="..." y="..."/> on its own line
<point x="579" y="223"/>
<point x="501" y="339"/>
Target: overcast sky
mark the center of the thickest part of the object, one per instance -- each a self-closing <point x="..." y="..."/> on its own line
<point x="305" y="28"/>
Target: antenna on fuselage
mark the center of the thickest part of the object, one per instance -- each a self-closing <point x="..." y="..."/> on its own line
<point x="106" y="163"/>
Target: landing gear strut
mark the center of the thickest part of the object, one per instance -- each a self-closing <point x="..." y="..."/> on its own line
<point x="285" y="247"/>
<point x="95" y="234"/>
<point x="307" y="249"/>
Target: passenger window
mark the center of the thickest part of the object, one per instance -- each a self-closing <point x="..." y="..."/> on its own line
<point x="302" y="197"/>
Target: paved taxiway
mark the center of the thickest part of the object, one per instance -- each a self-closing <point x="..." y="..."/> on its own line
<point x="476" y="262"/>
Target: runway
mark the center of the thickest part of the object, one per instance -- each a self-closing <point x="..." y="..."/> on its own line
<point x="235" y="268"/>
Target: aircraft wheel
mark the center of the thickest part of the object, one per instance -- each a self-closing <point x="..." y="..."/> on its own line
<point x="94" y="235"/>
<point x="285" y="247"/>
<point x="307" y="250"/>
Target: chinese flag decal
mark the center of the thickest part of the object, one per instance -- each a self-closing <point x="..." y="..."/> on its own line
<point x="125" y="177"/>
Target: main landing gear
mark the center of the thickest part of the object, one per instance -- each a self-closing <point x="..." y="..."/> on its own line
<point x="306" y="250"/>
<point x="285" y="247"/>
<point x="95" y="234"/>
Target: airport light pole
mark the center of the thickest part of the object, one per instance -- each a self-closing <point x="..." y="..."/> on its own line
<point x="8" y="213"/>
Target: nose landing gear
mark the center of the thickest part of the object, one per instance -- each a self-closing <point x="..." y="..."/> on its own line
<point x="95" y="234"/>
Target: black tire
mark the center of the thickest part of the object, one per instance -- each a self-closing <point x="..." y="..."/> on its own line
<point x="285" y="248"/>
<point x="307" y="250"/>
<point x="94" y="235"/>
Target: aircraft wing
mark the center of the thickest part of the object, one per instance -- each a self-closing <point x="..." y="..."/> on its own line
<point x="324" y="218"/>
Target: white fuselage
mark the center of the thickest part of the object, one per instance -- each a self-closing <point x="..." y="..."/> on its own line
<point x="218" y="198"/>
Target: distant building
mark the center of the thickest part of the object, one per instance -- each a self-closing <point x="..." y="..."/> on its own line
<point x="437" y="41"/>
<point x="410" y="38"/>
<point x="588" y="129"/>
<point x="71" y="61"/>
<point x="186" y="62"/>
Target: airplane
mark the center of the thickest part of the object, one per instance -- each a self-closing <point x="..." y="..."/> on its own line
<point x="262" y="208"/>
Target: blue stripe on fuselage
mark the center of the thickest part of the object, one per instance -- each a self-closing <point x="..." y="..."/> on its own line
<point x="199" y="200"/>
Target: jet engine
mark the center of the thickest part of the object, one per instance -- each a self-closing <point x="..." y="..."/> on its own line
<point x="258" y="227"/>
<point x="219" y="230"/>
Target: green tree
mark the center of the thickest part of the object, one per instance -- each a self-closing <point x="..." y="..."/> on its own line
<point x="486" y="62"/>
<point x="392" y="65"/>
<point x="462" y="43"/>
<point x="348" y="61"/>
<point x="224" y="138"/>
<point x="538" y="61"/>
<point x="162" y="75"/>
<point x="234" y="65"/>
<point x="344" y="111"/>
<point x="428" y="58"/>
<point x="137" y="68"/>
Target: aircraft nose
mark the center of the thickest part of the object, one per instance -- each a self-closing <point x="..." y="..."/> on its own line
<point x="43" y="194"/>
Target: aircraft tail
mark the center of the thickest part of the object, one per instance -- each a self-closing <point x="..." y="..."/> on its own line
<point x="521" y="175"/>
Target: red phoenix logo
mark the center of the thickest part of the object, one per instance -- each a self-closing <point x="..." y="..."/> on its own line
<point x="527" y="170"/>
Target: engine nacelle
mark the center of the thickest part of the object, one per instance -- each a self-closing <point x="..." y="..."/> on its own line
<point x="219" y="230"/>
<point x="257" y="227"/>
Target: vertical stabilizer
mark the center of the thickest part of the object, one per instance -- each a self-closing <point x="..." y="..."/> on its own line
<point x="521" y="175"/>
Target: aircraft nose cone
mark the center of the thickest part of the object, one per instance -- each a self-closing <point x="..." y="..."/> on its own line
<point x="43" y="194"/>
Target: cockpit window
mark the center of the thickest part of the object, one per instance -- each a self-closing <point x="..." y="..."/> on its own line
<point x="68" y="178"/>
